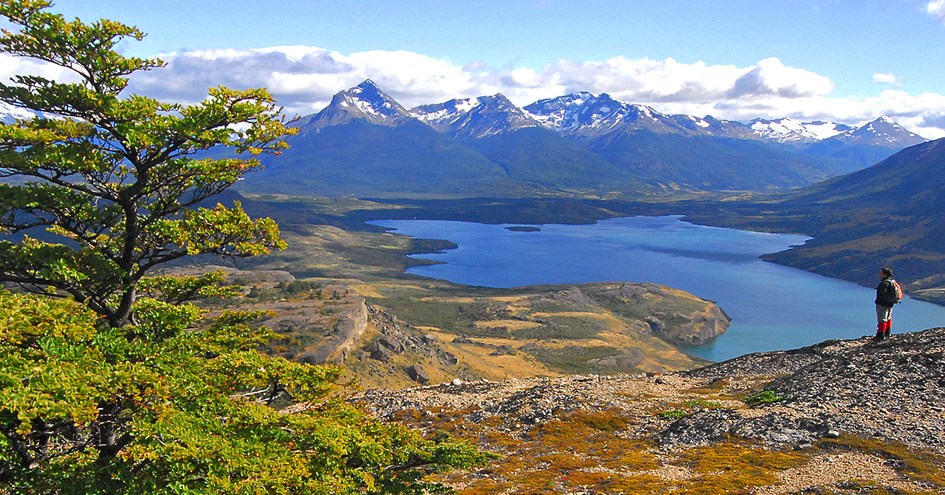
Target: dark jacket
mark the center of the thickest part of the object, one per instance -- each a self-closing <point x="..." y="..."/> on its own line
<point x="886" y="293"/>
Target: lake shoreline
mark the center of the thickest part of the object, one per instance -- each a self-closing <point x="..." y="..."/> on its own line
<point x="704" y="211"/>
<point x="713" y="263"/>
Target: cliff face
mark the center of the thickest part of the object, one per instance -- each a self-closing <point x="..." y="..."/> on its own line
<point x="673" y="315"/>
<point x="342" y="337"/>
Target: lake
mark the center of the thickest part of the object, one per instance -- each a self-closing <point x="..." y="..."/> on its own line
<point x="772" y="307"/>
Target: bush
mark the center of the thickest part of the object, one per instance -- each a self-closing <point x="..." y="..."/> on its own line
<point x="762" y="397"/>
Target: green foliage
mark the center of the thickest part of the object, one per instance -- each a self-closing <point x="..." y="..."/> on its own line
<point x="139" y="391"/>
<point x="689" y="405"/>
<point x="673" y="414"/>
<point x="763" y="397"/>
<point x="115" y="180"/>
<point x="87" y="408"/>
<point x="289" y="289"/>
<point x="178" y="289"/>
<point x="703" y="404"/>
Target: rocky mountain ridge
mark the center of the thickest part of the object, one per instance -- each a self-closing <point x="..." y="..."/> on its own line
<point x="874" y="405"/>
<point x="475" y="118"/>
<point x="890" y="389"/>
<point x="790" y="131"/>
<point x="580" y="114"/>
<point x="366" y="144"/>
<point x="363" y="102"/>
<point x="587" y="116"/>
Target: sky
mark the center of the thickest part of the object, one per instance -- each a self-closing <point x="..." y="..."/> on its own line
<point x="847" y="61"/>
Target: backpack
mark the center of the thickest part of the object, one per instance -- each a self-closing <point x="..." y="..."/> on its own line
<point x="897" y="290"/>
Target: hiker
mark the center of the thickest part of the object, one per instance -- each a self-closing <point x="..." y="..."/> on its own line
<point x="888" y="294"/>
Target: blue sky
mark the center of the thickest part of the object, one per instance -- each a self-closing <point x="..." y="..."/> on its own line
<point x="847" y="61"/>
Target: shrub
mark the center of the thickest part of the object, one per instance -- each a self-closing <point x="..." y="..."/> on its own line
<point x="762" y="397"/>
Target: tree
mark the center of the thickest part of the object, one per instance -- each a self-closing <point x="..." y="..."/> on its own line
<point x="130" y="387"/>
<point x="112" y="179"/>
<point x="86" y="409"/>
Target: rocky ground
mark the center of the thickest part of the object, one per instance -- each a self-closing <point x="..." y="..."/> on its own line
<point x="853" y="416"/>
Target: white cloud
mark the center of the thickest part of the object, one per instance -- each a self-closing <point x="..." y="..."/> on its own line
<point x="11" y="66"/>
<point x="644" y="79"/>
<point x="771" y="77"/>
<point x="936" y="9"/>
<point x="885" y="78"/>
<point x="304" y="78"/>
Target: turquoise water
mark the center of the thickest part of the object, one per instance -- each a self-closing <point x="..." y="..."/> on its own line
<point x="772" y="307"/>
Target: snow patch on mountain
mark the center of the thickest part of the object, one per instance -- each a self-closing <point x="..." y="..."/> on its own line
<point x="441" y="116"/>
<point x="475" y="118"/>
<point x="790" y="131"/>
<point x="588" y="117"/>
<point x="884" y="132"/>
<point x="363" y="102"/>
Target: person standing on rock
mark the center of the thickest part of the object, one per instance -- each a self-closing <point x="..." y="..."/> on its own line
<point x="886" y="297"/>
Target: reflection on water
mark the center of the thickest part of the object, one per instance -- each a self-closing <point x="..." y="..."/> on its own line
<point x="772" y="307"/>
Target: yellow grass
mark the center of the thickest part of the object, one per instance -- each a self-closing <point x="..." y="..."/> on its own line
<point x="366" y="290"/>
<point x="458" y="300"/>
<point x="571" y="314"/>
<point x="510" y="324"/>
<point x="502" y="367"/>
<point x="435" y="330"/>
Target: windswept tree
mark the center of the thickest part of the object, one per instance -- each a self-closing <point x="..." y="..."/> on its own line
<point x="129" y="387"/>
<point x="111" y="179"/>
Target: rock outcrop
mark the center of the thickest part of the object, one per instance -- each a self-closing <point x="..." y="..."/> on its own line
<point x="342" y="337"/>
<point x="890" y="390"/>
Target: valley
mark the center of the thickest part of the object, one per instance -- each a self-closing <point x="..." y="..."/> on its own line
<point x="330" y="243"/>
<point x="332" y="280"/>
<point x="499" y="269"/>
<point x="861" y="193"/>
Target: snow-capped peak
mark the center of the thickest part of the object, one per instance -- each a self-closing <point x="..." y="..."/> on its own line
<point x="475" y="118"/>
<point x="365" y="102"/>
<point x="371" y="101"/>
<point x="883" y="131"/>
<point x="441" y="116"/>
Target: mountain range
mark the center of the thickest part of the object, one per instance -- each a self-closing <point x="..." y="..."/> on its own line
<point x="366" y="143"/>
